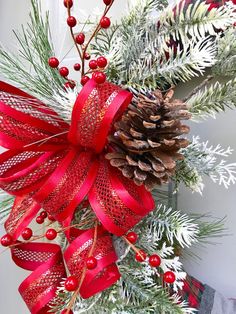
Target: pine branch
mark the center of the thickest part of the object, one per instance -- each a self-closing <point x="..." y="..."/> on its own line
<point x="214" y="99"/>
<point x="209" y="228"/>
<point x="202" y="159"/>
<point x="226" y="58"/>
<point x="6" y="206"/>
<point x="148" y="296"/>
<point x="166" y="223"/>
<point x="194" y="21"/>
<point x="29" y="67"/>
<point x="198" y="88"/>
<point x="188" y="62"/>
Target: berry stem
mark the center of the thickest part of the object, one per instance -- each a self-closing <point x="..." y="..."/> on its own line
<point x="83" y="51"/>
<point x="72" y="33"/>
<point x="133" y="247"/>
<point x="34" y="238"/>
<point x="75" y="294"/>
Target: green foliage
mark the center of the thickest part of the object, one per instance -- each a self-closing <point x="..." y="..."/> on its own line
<point x="168" y="224"/>
<point x="29" y="68"/>
<point x="209" y="228"/>
<point x="194" y="22"/>
<point x="226" y="57"/>
<point x="202" y="159"/>
<point x="213" y="99"/>
<point x="6" y="203"/>
<point x="152" y="62"/>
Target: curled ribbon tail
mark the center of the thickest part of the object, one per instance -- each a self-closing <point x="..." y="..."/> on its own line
<point x="46" y="262"/>
<point x="23" y="211"/>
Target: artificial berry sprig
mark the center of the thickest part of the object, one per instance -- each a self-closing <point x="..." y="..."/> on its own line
<point x="96" y="66"/>
<point x="79" y="39"/>
<point x="90" y="261"/>
<point x="153" y="260"/>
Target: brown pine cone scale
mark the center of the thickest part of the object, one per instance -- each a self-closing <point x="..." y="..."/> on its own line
<point x="147" y="139"/>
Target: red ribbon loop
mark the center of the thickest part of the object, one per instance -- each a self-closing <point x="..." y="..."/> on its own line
<point x="54" y="166"/>
<point x="24" y="120"/>
<point x="22" y="213"/>
<point x="95" y="109"/>
<point x="46" y="262"/>
<point x="118" y="203"/>
<point x="105" y="273"/>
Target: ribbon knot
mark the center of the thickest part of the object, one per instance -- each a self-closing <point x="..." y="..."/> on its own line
<point x="55" y="166"/>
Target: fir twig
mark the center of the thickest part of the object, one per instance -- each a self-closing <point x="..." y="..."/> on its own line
<point x="214" y="99"/>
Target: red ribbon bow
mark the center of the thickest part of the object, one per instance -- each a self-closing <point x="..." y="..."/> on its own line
<point x="52" y="165"/>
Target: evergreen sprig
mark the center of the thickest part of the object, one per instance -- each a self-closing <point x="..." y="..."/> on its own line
<point x="226" y="56"/>
<point x="6" y="203"/>
<point x="194" y="21"/>
<point x="214" y="99"/>
<point x="166" y="223"/>
<point x="29" y="68"/>
<point x="203" y="159"/>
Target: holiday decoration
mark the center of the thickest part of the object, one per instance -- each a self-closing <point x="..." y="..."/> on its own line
<point x="94" y="160"/>
<point x="149" y="135"/>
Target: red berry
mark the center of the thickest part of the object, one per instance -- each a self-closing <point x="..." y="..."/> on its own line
<point x="77" y="67"/>
<point x="71" y="283"/>
<point x="132" y="237"/>
<point x="44" y="214"/>
<point x="40" y="220"/>
<point x="68" y="3"/>
<point x="101" y="62"/>
<point x="71" y="21"/>
<point x="107" y="2"/>
<point x="154" y="260"/>
<point x="93" y="64"/>
<point x="6" y="240"/>
<point x="169" y="277"/>
<point x="53" y="62"/>
<point x="91" y="262"/>
<point x="51" y="234"/>
<point x="51" y="218"/>
<point x="64" y="71"/>
<point x="99" y="77"/>
<point x="105" y="22"/>
<point x="140" y="256"/>
<point x="84" y="80"/>
<point x="66" y="312"/>
<point x="27" y="234"/>
<point x="80" y="38"/>
<point x="87" y="56"/>
<point x="70" y="84"/>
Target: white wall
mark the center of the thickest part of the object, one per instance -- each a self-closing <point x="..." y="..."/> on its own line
<point x="217" y="267"/>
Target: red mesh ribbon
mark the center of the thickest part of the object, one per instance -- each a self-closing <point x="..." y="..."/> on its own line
<point x="45" y="167"/>
<point x="46" y="262"/>
<point x="105" y="274"/>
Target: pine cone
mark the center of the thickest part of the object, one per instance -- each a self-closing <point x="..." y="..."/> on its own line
<point x="147" y="138"/>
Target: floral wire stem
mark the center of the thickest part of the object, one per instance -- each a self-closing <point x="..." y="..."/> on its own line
<point x="34" y="238"/>
<point x="133" y="247"/>
<point x="75" y="294"/>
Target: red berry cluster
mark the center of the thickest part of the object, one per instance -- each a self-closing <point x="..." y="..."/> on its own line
<point x="153" y="260"/>
<point x="96" y="67"/>
<point x="64" y="72"/>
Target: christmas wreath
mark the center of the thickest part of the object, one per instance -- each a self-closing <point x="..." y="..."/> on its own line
<point x="98" y="161"/>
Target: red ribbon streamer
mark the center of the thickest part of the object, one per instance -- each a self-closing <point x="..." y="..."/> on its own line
<point x="46" y="168"/>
